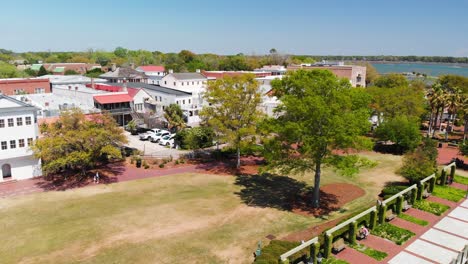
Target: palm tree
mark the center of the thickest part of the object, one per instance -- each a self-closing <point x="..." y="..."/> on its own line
<point x="175" y="117"/>
<point x="454" y="101"/>
<point x="436" y="98"/>
<point x="464" y="111"/>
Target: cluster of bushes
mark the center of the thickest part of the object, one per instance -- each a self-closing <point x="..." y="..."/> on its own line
<point x="421" y="162"/>
<point x="195" y="138"/>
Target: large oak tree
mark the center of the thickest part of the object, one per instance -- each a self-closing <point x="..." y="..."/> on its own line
<point x="233" y="110"/>
<point x="78" y="142"/>
<point x="319" y="113"/>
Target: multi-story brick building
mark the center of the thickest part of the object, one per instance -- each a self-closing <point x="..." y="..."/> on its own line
<point x="18" y="130"/>
<point x="16" y="86"/>
<point x="355" y="74"/>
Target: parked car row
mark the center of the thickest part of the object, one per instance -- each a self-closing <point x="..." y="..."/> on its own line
<point x="156" y="135"/>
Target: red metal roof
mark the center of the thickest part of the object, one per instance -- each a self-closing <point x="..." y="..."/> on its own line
<point x="113" y="98"/>
<point x="152" y="68"/>
<point x="133" y="91"/>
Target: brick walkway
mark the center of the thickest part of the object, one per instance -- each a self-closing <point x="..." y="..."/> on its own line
<point x="459" y="186"/>
<point x="406" y="250"/>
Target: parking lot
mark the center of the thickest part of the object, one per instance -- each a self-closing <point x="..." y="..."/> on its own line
<point x="152" y="149"/>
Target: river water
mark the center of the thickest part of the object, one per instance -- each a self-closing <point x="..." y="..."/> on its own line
<point x="431" y="69"/>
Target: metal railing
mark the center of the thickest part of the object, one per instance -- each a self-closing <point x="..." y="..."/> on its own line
<point x="462" y="256"/>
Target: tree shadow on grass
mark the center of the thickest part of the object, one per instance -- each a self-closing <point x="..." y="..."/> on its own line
<point x="283" y="193"/>
<point x="73" y="179"/>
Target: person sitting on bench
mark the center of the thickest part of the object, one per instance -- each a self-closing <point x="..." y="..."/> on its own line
<point x="363" y="232"/>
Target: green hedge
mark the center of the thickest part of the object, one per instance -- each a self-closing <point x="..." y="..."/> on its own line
<point x="272" y="252"/>
<point x="375" y="254"/>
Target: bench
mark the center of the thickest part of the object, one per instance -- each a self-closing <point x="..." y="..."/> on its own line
<point x="406" y="205"/>
<point x="338" y="245"/>
<point x="389" y="215"/>
<point x="426" y="193"/>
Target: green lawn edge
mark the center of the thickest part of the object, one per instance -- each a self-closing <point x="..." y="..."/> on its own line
<point x="413" y="219"/>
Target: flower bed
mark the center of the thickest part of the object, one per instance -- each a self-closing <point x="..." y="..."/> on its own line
<point x="431" y="207"/>
<point x="413" y="219"/>
<point x="393" y="233"/>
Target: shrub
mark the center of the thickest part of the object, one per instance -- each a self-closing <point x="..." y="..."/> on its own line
<point x="420" y="163"/>
<point x="161" y="165"/>
<point x="431" y="207"/>
<point x="413" y="219"/>
<point x="393" y="233"/>
<point x="403" y="131"/>
<point x="195" y="138"/>
<point x="392" y="190"/>
<point x="145" y="165"/>
<point x="176" y="162"/>
<point x="449" y="193"/>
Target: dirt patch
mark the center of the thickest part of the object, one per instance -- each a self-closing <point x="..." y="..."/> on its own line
<point x="332" y="197"/>
<point x="342" y="193"/>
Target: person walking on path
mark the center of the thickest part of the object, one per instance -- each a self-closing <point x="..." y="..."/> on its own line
<point x="96" y="177"/>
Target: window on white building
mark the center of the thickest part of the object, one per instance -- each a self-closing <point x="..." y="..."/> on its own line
<point x="12" y="144"/>
<point x="2" y="123"/>
<point x="4" y="145"/>
<point x="19" y="121"/>
<point x="10" y="122"/>
<point x="160" y="99"/>
<point x="21" y="143"/>
<point x="30" y="140"/>
<point x="189" y="101"/>
<point x="175" y="84"/>
<point x="28" y="120"/>
<point x="183" y="101"/>
<point x="182" y="83"/>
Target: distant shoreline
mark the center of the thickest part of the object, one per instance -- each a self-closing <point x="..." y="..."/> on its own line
<point x="465" y="65"/>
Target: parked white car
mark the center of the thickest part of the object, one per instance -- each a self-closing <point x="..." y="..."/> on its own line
<point x="149" y="134"/>
<point x="167" y="140"/>
<point x="156" y="137"/>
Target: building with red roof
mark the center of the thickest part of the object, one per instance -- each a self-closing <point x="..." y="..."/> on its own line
<point x="118" y="104"/>
<point x="14" y="86"/>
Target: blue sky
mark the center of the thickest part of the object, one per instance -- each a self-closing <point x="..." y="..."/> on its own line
<point x="339" y="27"/>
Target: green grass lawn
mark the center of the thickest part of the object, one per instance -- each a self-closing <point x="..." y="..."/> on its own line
<point x="431" y="207"/>
<point x="192" y="217"/>
<point x="393" y="233"/>
<point x="195" y="217"/>
<point x="461" y="179"/>
<point x="333" y="260"/>
<point x="375" y="254"/>
<point x="449" y="193"/>
<point x="413" y="219"/>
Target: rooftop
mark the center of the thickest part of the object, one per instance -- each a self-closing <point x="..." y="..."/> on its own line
<point x="187" y="76"/>
<point x="54" y="102"/>
<point x="70" y="79"/>
<point x="121" y="73"/>
<point x="156" y="88"/>
<point x="113" y="98"/>
<point x="151" y="68"/>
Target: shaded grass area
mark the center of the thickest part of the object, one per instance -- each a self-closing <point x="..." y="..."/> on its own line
<point x="448" y="193"/>
<point x="431" y="207"/>
<point x="394" y="233"/>
<point x="413" y="219"/>
<point x="375" y="254"/>
<point x="461" y="179"/>
<point x="196" y="217"/>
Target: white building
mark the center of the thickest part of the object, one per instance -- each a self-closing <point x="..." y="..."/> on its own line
<point x="192" y="82"/>
<point x="18" y="130"/>
<point x="154" y="73"/>
<point x="273" y="69"/>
